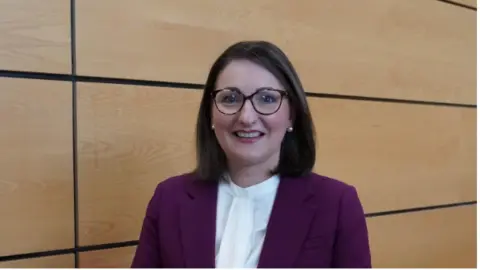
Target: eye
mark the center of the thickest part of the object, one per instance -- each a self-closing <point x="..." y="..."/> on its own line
<point x="268" y="97"/>
<point x="229" y="97"/>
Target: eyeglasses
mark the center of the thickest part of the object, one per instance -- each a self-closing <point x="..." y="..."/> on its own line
<point x="265" y="100"/>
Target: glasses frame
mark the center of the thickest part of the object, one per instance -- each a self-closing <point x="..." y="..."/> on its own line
<point x="282" y="93"/>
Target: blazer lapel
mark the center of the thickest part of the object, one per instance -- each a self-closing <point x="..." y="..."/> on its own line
<point x="288" y="224"/>
<point x="198" y="225"/>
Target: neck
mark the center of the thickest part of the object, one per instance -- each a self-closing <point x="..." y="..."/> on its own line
<point x="248" y="175"/>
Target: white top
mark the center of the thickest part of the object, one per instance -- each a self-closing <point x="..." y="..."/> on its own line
<point x="242" y="217"/>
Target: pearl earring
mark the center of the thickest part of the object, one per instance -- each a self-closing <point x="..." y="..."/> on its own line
<point x="213" y="127"/>
<point x="290" y="129"/>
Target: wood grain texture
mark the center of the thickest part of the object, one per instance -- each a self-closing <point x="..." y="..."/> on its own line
<point x="35" y="35"/>
<point x="409" y="49"/>
<point x="60" y="261"/>
<point x="108" y="258"/>
<point x="444" y="238"/>
<point x="130" y="139"/>
<point x="398" y="155"/>
<point x="36" y="175"/>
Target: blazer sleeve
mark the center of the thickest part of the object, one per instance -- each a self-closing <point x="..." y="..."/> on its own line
<point x="147" y="254"/>
<point x="351" y="249"/>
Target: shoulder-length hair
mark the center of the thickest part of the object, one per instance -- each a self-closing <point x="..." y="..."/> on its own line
<point x="297" y="154"/>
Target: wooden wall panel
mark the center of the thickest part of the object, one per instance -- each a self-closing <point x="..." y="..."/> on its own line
<point x="108" y="258"/>
<point x="409" y="49"/>
<point x="60" y="261"/>
<point x="35" y="35"/>
<point x="444" y="238"/>
<point x="36" y="175"/>
<point x="130" y="139"/>
<point x="398" y="155"/>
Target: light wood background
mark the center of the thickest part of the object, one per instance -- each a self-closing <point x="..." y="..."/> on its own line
<point x="130" y="137"/>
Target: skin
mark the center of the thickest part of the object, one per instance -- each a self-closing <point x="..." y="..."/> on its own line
<point x="249" y="163"/>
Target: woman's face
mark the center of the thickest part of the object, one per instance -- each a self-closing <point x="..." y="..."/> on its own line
<point x="248" y="137"/>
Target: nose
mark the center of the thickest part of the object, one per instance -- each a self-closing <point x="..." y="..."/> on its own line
<point x="247" y="115"/>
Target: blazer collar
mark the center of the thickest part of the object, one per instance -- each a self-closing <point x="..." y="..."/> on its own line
<point x="287" y="228"/>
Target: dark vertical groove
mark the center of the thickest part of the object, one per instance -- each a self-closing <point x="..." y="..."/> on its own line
<point x="74" y="129"/>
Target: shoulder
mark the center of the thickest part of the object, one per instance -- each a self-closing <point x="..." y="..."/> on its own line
<point x="176" y="183"/>
<point x="170" y="189"/>
<point x="324" y="184"/>
<point x="334" y="193"/>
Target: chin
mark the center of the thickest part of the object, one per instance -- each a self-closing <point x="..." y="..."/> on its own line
<point x="249" y="158"/>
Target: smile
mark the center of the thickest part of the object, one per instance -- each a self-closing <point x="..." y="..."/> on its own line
<point x="253" y="134"/>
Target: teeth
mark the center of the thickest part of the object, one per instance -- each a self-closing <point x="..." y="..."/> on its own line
<point x="247" y="134"/>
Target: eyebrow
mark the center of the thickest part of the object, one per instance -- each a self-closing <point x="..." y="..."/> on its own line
<point x="255" y="89"/>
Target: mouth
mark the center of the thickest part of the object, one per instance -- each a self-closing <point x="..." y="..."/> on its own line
<point x="248" y="136"/>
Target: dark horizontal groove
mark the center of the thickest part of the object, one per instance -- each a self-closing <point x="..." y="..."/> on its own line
<point x="108" y="246"/>
<point x="67" y="251"/>
<point x="135" y="242"/>
<point x="419" y="209"/>
<point x="390" y="100"/>
<point x="458" y="4"/>
<point x="37" y="254"/>
<point x="35" y="75"/>
<point x="94" y="79"/>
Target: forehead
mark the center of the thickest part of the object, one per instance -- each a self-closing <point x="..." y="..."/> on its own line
<point x="247" y="76"/>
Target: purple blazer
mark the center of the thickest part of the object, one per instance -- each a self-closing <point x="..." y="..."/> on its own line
<point x="316" y="222"/>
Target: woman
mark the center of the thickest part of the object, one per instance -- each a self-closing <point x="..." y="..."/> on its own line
<point x="253" y="200"/>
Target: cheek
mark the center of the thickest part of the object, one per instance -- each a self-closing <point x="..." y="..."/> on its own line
<point x="221" y="121"/>
<point x="279" y="122"/>
<point x="276" y="126"/>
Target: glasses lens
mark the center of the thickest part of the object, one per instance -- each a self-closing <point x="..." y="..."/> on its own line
<point x="267" y="101"/>
<point x="229" y="101"/>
